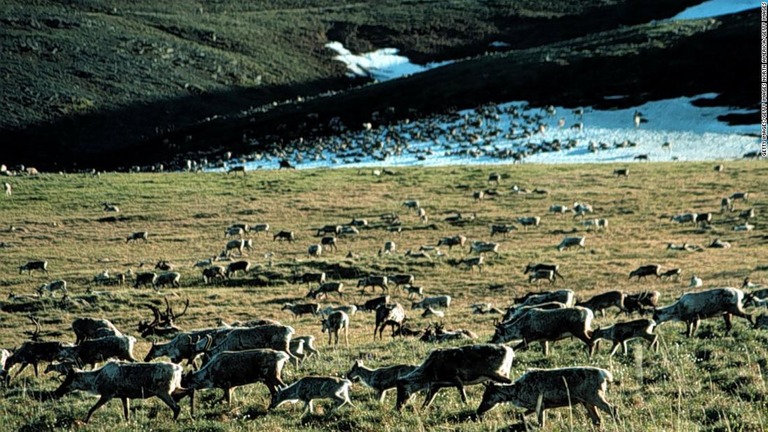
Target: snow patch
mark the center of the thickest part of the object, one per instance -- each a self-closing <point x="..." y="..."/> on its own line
<point x="713" y="8"/>
<point x="493" y="134"/>
<point x="383" y="64"/>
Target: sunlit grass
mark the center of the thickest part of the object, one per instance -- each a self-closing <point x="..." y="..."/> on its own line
<point x="708" y="382"/>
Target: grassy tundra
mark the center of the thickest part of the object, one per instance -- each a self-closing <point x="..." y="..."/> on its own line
<point x="708" y="382"/>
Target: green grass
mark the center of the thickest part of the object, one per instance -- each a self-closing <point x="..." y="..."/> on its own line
<point x="708" y="382"/>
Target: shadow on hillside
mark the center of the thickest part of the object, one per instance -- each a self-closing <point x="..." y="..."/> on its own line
<point x="134" y="134"/>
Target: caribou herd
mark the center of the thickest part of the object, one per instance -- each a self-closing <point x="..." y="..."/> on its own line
<point x="243" y="353"/>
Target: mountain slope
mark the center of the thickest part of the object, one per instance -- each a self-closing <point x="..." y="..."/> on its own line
<point x="83" y="81"/>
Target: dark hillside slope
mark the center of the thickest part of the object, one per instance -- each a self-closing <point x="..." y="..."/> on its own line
<point x="84" y="82"/>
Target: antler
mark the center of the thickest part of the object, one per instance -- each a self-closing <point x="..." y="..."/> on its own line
<point x="36" y="334"/>
<point x="439" y="327"/>
<point x="162" y="324"/>
<point x="208" y="343"/>
<point x="147" y="328"/>
<point x="172" y="316"/>
<point x="157" y="315"/>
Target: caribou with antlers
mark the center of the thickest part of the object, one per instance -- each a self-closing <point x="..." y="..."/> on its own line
<point x="163" y="322"/>
<point x="32" y="352"/>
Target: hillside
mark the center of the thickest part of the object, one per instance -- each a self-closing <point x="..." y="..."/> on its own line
<point x="83" y="80"/>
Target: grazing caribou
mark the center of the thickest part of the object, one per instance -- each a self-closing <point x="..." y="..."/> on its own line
<point x="284" y="235"/>
<point x="388" y="314"/>
<point x="540" y="389"/>
<point x="309" y="278"/>
<point x="372" y="304"/>
<point x="646" y="270"/>
<point x="622" y="332"/>
<point x="601" y="302"/>
<point x="302" y="308"/>
<point x="93" y="328"/>
<point x="456" y="367"/>
<point x="140" y="235"/>
<point x="457" y="240"/>
<point x="691" y="308"/>
<point x="276" y="337"/>
<point x="641" y="302"/>
<point x="381" y="379"/>
<point x="127" y="381"/>
<point x="34" y="265"/>
<point x="231" y="369"/>
<point x="374" y="281"/>
<point x="544" y="326"/>
<point x="92" y="351"/>
<point x="327" y="288"/>
<point x="533" y="268"/>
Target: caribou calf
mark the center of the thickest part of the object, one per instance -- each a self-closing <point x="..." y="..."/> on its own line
<point x="601" y="302"/>
<point x="335" y="322"/>
<point x="4" y="354"/>
<point x="313" y="387"/>
<point x="146" y="278"/>
<point x="542" y="275"/>
<point x="402" y="279"/>
<point x="374" y="281"/>
<point x="372" y="304"/>
<point x="212" y="273"/>
<point x="232" y="268"/>
<point x="285" y="235"/>
<point x="381" y="379"/>
<point x="620" y="333"/>
<point x="140" y="235"/>
<point x="308" y="278"/>
<point x="307" y="347"/>
<point x="569" y="242"/>
<point x="52" y="287"/>
<point x="672" y="273"/>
